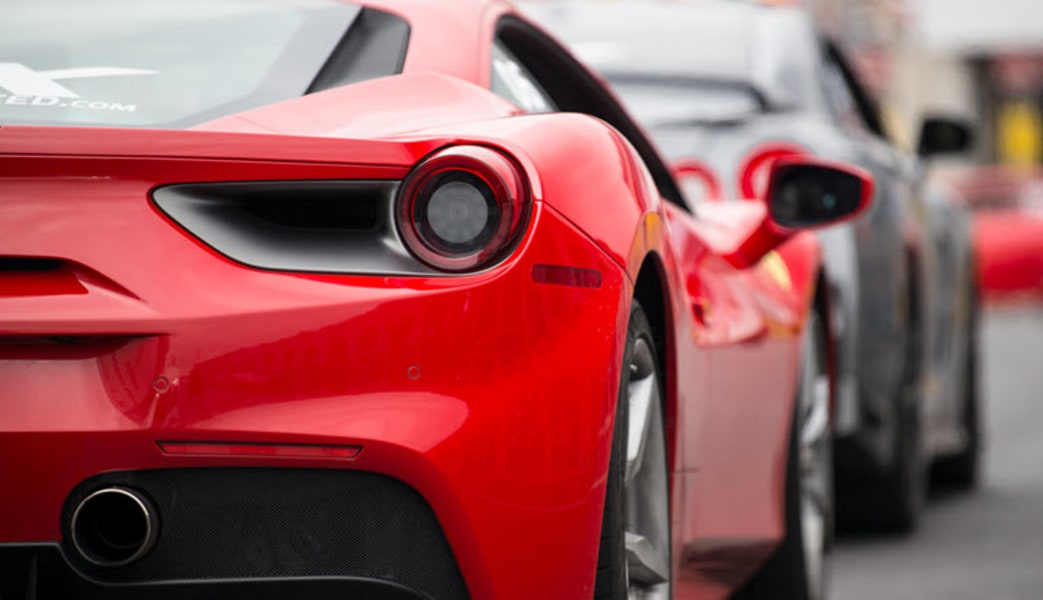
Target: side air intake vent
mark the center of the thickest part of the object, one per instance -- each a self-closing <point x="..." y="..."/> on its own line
<point x="28" y="264"/>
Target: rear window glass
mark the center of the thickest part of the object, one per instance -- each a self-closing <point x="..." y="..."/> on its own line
<point x="670" y="102"/>
<point x="666" y="37"/>
<point x="176" y="63"/>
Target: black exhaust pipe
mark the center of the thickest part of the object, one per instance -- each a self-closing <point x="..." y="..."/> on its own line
<point x="114" y="526"/>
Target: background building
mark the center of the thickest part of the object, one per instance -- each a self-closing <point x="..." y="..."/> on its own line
<point x="980" y="60"/>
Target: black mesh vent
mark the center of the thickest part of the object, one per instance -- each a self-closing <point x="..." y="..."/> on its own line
<point x="248" y="523"/>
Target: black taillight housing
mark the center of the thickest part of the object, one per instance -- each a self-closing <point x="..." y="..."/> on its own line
<point x="463" y="208"/>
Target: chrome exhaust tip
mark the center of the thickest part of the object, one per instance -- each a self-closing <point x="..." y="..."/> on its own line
<point x="113" y="527"/>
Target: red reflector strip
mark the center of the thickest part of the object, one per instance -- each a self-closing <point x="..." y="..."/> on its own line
<point x="574" y="276"/>
<point x="241" y="449"/>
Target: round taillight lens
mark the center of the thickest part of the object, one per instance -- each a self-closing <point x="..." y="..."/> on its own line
<point x="697" y="181"/>
<point x="754" y="171"/>
<point x="462" y="208"/>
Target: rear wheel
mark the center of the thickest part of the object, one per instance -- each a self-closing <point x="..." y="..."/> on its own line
<point x="902" y="492"/>
<point x="890" y="500"/>
<point x="634" y="552"/>
<point x="961" y="470"/>
<point x="799" y="569"/>
<point x="900" y="495"/>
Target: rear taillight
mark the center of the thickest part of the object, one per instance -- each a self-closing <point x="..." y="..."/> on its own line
<point x="697" y="181"/>
<point x="463" y="208"/>
<point x="753" y="172"/>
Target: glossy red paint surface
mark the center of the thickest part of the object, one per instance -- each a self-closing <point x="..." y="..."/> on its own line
<point x="491" y="393"/>
<point x="268" y="358"/>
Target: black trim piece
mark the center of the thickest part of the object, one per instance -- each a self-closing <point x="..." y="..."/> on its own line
<point x="41" y="572"/>
<point x="867" y="106"/>
<point x="29" y="264"/>
<point x="374" y="46"/>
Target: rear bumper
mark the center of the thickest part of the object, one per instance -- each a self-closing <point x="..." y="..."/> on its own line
<point x="41" y="572"/>
<point x="490" y="395"/>
<point x="264" y="526"/>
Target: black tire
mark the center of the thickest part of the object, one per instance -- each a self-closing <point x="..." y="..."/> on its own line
<point x="892" y="501"/>
<point x="611" y="581"/>
<point x="904" y="484"/>
<point x="961" y="471"/>
<point x="786" y="576"/>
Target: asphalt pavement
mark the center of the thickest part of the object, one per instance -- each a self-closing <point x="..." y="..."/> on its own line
<point x="987" y="544"/>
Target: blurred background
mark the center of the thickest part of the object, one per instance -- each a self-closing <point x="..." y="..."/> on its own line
<point x="982" y="60"/>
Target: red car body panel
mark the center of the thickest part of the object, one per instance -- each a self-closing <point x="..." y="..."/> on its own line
<point x="490" y="393"/>
<point x="240" y="348"/>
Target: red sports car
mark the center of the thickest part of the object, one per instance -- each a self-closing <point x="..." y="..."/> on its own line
<point x="387" y="299"/>
<point x="1007" y="205"/>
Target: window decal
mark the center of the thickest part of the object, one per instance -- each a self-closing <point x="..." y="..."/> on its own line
<point x="27" y="87"/>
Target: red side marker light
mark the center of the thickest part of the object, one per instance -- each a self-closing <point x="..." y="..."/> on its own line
<point x="255" y="450"/>
<point x="574" y="276"/>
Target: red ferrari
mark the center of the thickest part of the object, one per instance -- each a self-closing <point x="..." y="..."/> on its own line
<point x="388" y="299"/>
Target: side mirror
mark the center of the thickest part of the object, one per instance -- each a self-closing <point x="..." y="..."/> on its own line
<point x="803" y="193"/>
<point x="943" y="135"/>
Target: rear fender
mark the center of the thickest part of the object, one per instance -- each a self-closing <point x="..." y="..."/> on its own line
<point x="583" y="169"/>
<point x="587" y="172"/>
<point x="590" y="174"/>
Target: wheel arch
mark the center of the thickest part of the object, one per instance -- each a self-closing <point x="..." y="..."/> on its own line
<point x="651" y="292"/>
<point x="824" y="304"/>
<point x="915" y="323"/>
<point x="914" y="283"/>
<point x="803" y="256"/>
